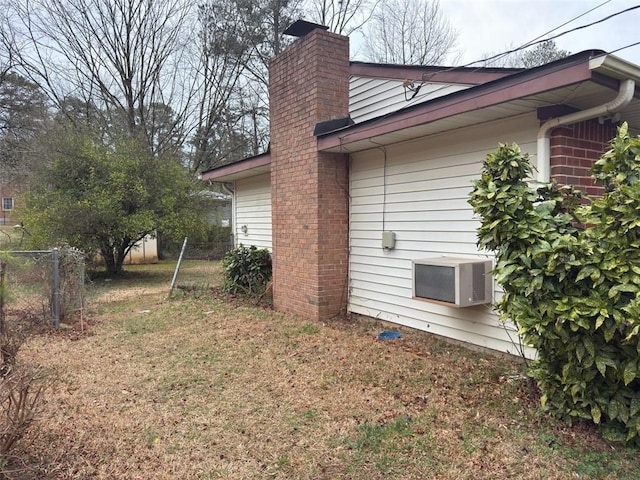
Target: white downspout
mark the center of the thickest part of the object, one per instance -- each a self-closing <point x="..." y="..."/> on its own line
<point x="625" y="95"/>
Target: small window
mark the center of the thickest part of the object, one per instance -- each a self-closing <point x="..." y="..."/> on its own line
<point x="7" y="203"/>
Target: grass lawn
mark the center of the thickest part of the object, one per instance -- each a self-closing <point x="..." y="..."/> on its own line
<point x="202" y="387"/>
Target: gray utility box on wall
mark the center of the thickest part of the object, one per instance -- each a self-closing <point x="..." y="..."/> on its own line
<point x="457" y="282"/>
<point x="388" y="240"/>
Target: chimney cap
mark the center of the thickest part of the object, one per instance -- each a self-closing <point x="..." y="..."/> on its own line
<point x="300" y="28"/>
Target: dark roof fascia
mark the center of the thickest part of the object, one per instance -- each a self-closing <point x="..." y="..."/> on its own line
<point x="436" y="74"/>
<point x="608" y="82"/>
<point x="331" y="125"/>
<point x="242" y="165"/>
<point x="613" y="82"/>
<point x="558" y="74"/>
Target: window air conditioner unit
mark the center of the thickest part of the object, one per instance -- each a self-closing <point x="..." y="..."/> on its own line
<point x="457" y="282"/>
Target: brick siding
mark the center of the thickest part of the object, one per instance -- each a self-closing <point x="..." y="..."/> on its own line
<point x="309" y="83"/>
<point x="574" y="150"/>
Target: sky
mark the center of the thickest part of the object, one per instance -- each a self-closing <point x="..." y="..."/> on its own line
<point x="493" y="26"/>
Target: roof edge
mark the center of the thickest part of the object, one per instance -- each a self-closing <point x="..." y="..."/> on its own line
<point x="572" y="69"/>
<point x="615" y="67"/>
<point x="437" y="74"/>
<point x="241" y="169"/>
<point x="359" y="64"/>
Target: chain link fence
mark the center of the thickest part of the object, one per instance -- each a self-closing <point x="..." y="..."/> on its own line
<point x="212" y="246"/>
<point x="45" y="286"/>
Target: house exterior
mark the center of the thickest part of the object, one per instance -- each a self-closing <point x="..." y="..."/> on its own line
<point x="361" y="149"/>
<point x="13" y="187"/>
<point x="10" y="194"/>
<point x="145" y="251"/>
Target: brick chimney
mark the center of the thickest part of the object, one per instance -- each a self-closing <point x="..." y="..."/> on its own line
<point x="309" y="83"/>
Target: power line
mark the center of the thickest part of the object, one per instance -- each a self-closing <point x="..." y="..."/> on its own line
<point x="626" y="46"/>
<point x="558" y="35"/>
<point x="537" y="41"/>
<point x="569" y="21"/>
<point x="529" y="43"/>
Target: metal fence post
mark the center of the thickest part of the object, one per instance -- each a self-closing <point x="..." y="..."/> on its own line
<point x="55" y="289"/>
<point x="175" y="273"/>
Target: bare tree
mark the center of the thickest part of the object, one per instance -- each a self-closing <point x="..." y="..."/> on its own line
<point x="117" y="54"/>
<point x="165" y="71"/>
<point x="272" y="18"/>
<point x="226" y="41"/>
<point x="511" y="58"/>
<point x="409" y="32"/>
<point x="23" y="119"/>
<point x="255" y="118"/>
<point x="6" y="44"/>
<point x="544" y="52"/>
<point x="341" y="16"/>
<point x="275" y="16"/>
<point x="236" y="40"/>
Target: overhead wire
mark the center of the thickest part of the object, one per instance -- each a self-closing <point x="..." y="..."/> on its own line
<point x="528" y="44"/>
<point x="580" y="27"/>
<point x="626" y="46"/>
<point x="537" y="40"/>
<point x="569" y="21"/>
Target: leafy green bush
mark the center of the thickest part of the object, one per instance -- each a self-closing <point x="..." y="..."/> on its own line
<point x="573" y="292"/>
<point x="246" y="270"/>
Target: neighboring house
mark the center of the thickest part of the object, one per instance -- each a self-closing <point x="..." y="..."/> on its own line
<point x="143" y="252"/>
<point x="218" y="213"/>
<point x="10" y="193"/>
<point x="218" y="210"/>
<point x="358" y="157"/>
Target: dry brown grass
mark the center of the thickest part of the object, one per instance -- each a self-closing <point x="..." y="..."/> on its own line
<point x="202" y="387"/>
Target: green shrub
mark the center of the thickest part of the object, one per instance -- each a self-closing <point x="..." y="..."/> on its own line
<point x="573" y="292"/>
<point x="247" y="270"/>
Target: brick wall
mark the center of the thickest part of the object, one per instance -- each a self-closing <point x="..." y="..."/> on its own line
<point x="309" y="83"/>
<point x="575" y="148"/>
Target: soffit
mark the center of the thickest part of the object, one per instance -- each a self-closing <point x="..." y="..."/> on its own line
<point x="581" y="95"/>
<point x="240" y="174"/>
<point x="246" y="168"/>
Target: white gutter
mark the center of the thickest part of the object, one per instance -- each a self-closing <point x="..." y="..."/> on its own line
<point x="610" y="66"/>
<point x="615" y="67"/>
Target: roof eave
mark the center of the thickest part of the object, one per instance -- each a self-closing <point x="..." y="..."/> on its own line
<point x="460" y="75"/>
<point x="558" y="74"/>
<point x="249" y="167"/>
<point x="615" y="67"/>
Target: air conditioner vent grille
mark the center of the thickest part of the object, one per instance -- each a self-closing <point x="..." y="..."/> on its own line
<point x="477" y="282"/>
<point x="458" y="282"/>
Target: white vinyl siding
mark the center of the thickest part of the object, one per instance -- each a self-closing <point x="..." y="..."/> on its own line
<point x="373" y="97"/>
<point x="252" y="212"/>
<point x="427" y="184"/>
